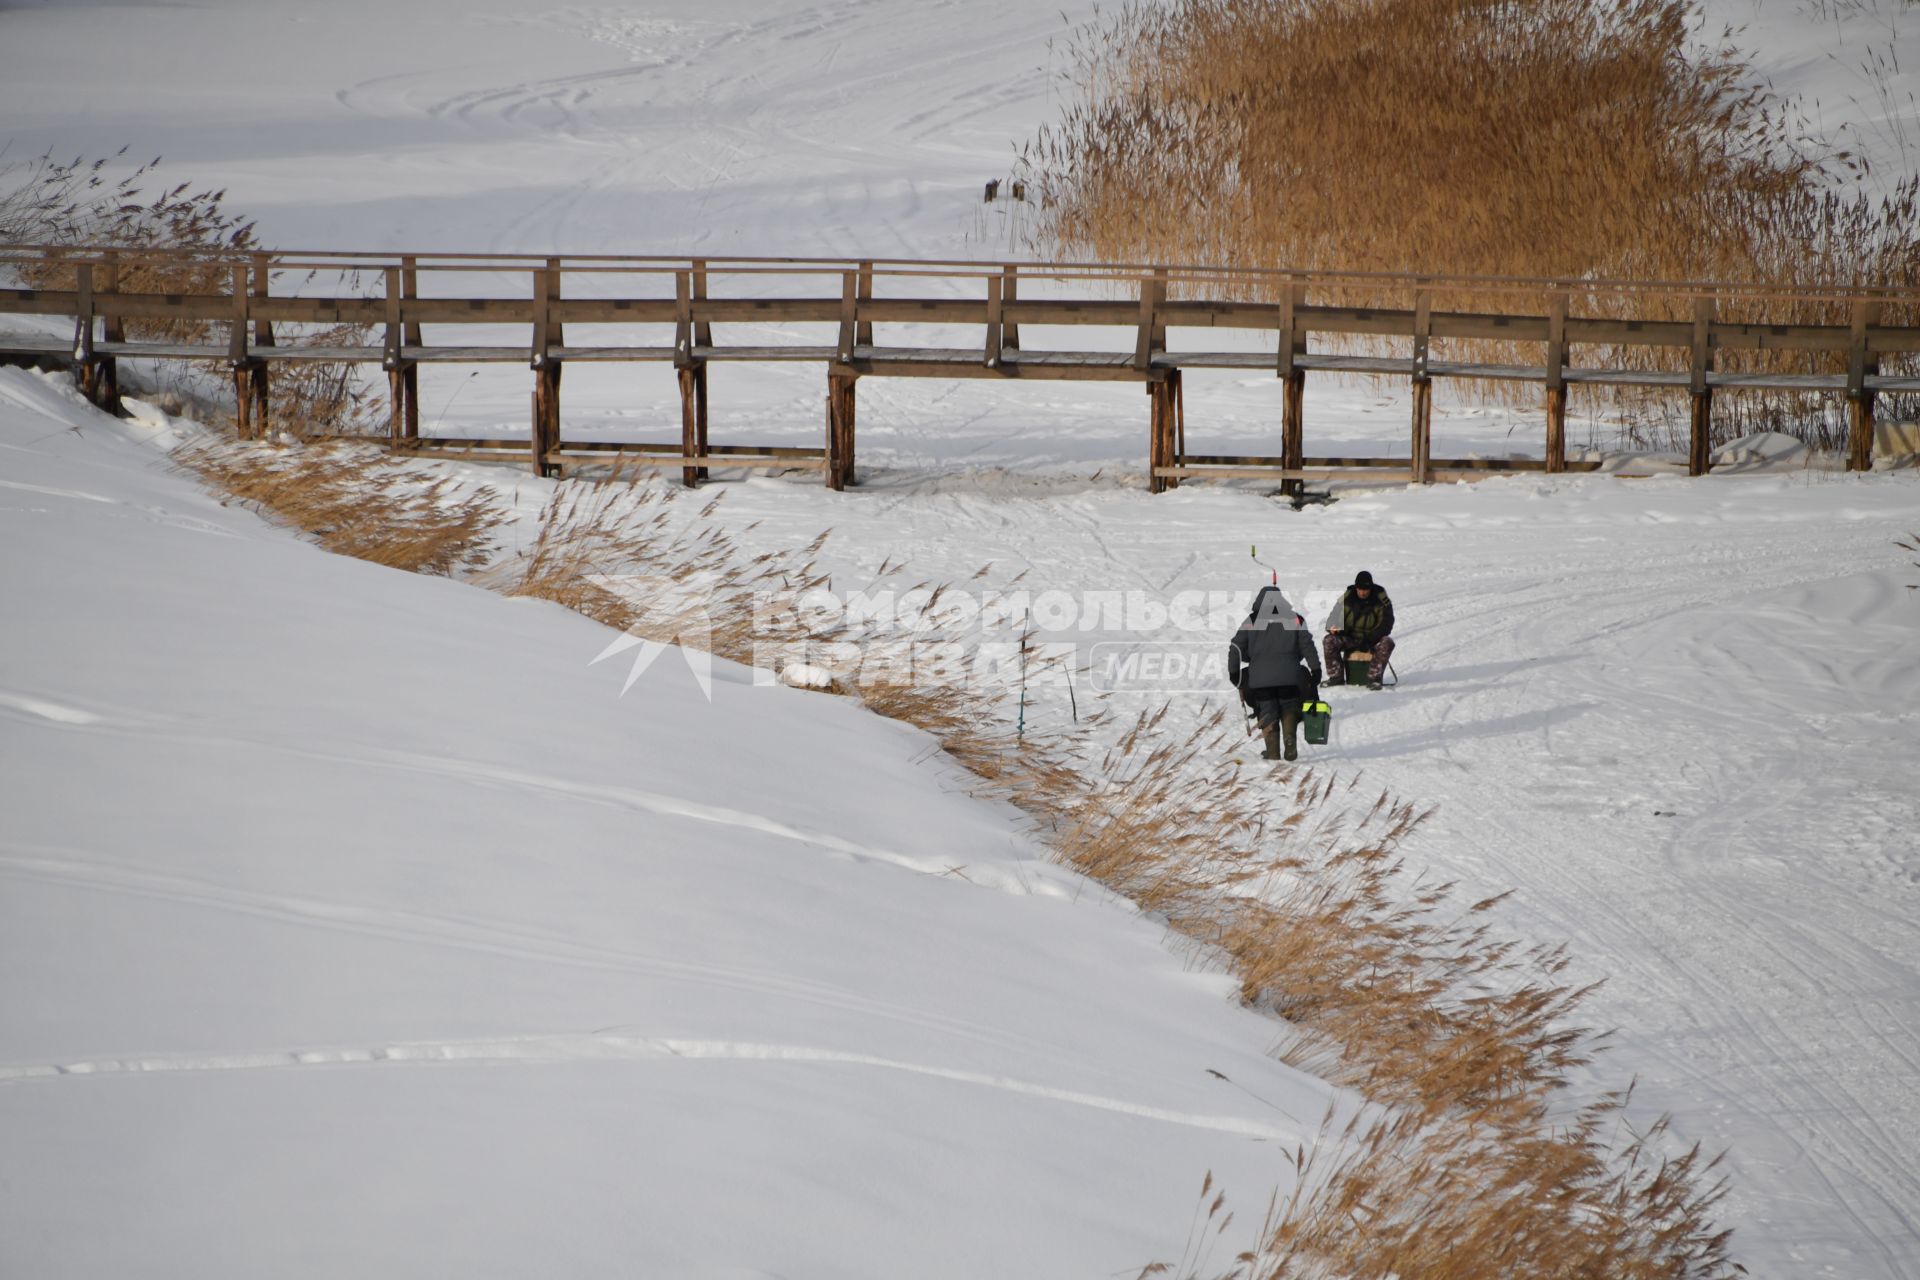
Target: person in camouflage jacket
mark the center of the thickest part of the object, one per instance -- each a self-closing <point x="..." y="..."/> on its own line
<point x="1362" y="622"/>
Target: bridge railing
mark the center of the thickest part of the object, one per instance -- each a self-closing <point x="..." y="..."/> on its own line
<point x="953" y="319"/>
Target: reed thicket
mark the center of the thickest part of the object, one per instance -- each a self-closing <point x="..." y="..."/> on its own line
<point x="1563" y="139"/>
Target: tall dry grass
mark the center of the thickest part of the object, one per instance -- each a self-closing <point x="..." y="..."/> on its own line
<point x="353" y="501"/>
<point x="1564" y="139"/>
<point x="79" y="203"/>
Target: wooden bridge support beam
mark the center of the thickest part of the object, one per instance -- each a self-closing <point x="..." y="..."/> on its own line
<point x="410" y="336"/>
<point x="1421" y="451"/>
<point x="841" y="405"/>
<point x="1422" y="447"/>
<point x="1700" y="435"/>
<point x="693" y="420"/>
<point x="99" y="375"/>
<point x="1860" y="432"/>
<point x="546" y="417"/>
<point x="1557" y="429"/>
<point x="1293" y="420"/>
<point x="1293" y="432"/>
<point x="546" y="370"/>
<point x="1163" y="431"/>
<point x="239" y="360"/>
<point x="1860" y="363"/>
<point x="1557" y="383"/>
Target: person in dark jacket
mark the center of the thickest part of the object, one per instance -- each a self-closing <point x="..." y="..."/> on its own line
<point x="1362" y="622"/>
<point x="1271" y="661"/>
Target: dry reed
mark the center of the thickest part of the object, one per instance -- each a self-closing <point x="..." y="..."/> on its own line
<point x="56" y="203"/>
<point x="1564" y="139"/>
<point x="353" y="501"/>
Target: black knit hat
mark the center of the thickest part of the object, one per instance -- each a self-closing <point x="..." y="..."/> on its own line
<point x="1363" y="579"/>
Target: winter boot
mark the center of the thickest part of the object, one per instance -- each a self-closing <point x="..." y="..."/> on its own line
<point x="1272" y="742"/>
<point x="1290" y="727"/>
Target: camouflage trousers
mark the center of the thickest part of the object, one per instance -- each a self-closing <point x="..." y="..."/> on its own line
<point x="1335" y="647"/>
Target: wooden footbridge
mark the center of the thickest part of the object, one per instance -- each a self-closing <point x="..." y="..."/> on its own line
<point x="247" y="314"/>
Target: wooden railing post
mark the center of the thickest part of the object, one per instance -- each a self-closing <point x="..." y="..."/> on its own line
<point x="1422" y="446"/>
<point x="1293" y="343"/>
<point x="1860" y="363"/>
<point x="237" y="354"/>
<point x="842" y="401"/>
<point x="992" y="353"/>
<point x="849" y="317"/>
<point x="258" y="380"/>
<point x="411" y="335"/>
<point x="390" y="359"/>
<point x="84" y="369"/>
<point x="1009" y="292"/>
<point x="863" y="332"/>
<point x="697" y="368"/>
<point x="106" y="377"/>
<point x="683" y="371"/>
<point x="546" y="369"/>
<point x="1153" y="291"/>
<point x="1163" y="430"/>
<point x="1557" y="383"/>
<point x="1700" y="435"/>
<point x="841" y="406"/>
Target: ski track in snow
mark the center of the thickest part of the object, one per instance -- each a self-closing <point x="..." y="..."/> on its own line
<point x="489" y="937"/>
<point x="620" y="1046"/>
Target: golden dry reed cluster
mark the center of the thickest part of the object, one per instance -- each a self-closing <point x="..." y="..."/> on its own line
<point x="1575" y="140"/>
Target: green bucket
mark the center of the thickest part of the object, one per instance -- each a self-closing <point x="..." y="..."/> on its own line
<point x="1357" y="664"/>
<point x="1315" y="718"/>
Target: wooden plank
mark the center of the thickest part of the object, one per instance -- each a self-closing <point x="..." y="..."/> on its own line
<point x="1353" y="364"/>
<point x="1292" y="340"/>
<point x="411" y="335"/>
<point x="1497" y="328"/>
<point x="849" y="316"/>
<point x="39" y="302"/>
<point x="1422" y="330"/>
<point x="954" y="311"/>
<point x="991" y="356"/>
<point x="1009" y="293"/>
<point x="1699" y="360"/>
<point x="1331" y="464"/>
<point x="702" y="329"/>
<point x="1422" y="430"/>
<point x="1069" y="312"/>
<point x="759" y="309"/>
<point x="1152" y="292"/>
<point x="268" y="310"/>
<point x="863" y="331"/>
<point x="1860" y="399"/>
<point x="841" y="406"/>
<point x="1779" y="337"/>
<point x="518" y="447"/>
<point x="669" y="462"/>
<point x="682" y="319"/>
<point x="1403" y="475"/>
<point x="1025" y="367"/>
<point x="752" y="355"/>
<point x="604" y="355"/>
<point x="1643" y="333"/>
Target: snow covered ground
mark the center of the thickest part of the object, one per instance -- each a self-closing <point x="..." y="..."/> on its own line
<point x="350" y="921"/>
<point x="1678" y="716"/>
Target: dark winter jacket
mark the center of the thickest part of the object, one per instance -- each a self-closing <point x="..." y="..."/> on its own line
<point x="1273" y="648"/>
<point x="1361" y="622"/>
